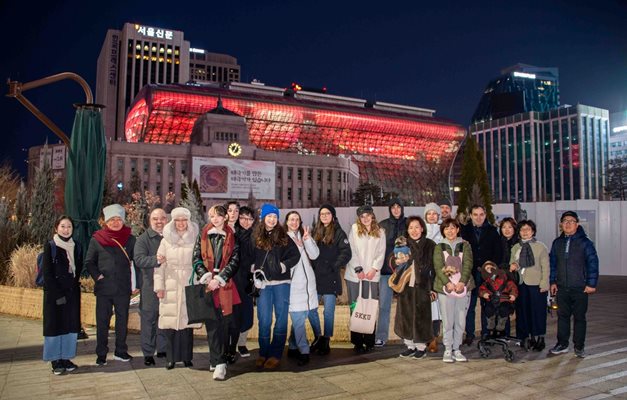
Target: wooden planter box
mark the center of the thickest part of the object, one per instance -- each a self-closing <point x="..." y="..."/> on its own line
<point x="28" y="303"/>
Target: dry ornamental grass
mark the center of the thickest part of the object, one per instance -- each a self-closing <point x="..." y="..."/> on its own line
<point x="23" y="266"/>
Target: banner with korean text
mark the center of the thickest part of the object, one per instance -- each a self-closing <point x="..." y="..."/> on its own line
<point x="224" y="178"/>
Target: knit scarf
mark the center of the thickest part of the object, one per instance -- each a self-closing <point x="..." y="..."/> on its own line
<point x="526" y="258"/>
<point x="67" y="245"/>
<point x="106" y="236"/>
<point x="224" y="297"/>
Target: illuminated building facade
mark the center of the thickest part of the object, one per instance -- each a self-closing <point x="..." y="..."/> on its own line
<point x="561" y="154"/>
<point x="618" y="135"/>
<point x="403" y="149"/>
<point x="212" y="67"/>
<point x="519" y="89"/>
<point x="138" y="55"/>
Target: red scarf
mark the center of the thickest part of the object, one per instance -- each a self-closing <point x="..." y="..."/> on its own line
<point x="224" y="297"/>
<point x="106" y="236"/>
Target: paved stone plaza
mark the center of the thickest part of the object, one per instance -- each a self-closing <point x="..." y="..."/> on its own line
<point x="342" y="375"/>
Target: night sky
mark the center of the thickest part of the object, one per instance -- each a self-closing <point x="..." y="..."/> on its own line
<point x="415" y="53"/>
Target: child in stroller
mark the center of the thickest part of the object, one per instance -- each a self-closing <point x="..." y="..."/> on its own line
<point x="499" y="293"/>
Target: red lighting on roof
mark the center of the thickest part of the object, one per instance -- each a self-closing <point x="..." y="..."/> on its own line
<point x="383" y="143"/>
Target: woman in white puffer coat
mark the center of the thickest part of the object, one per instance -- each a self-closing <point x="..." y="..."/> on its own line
<point x="303" y="294"/>
<point x="174" y="273"/>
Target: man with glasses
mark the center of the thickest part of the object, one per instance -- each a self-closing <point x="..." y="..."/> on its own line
<point x="152" y="338"/>
<point x="574" y="275"/>
<point x="246" y="220"/>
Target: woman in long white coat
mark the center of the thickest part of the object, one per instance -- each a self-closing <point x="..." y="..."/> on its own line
<point x="367" y="241"/>
<point x="174" y="273"/>
<point x="303" y="294"/>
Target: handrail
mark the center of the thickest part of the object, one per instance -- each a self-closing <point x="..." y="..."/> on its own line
<point x="17" y="88"/>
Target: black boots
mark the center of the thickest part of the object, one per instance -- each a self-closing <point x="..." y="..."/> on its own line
<point x="323" y="347"/>
<point x="539" y="345"/>
<point x="315" y="345"/>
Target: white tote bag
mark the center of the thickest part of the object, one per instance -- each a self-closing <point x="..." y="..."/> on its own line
<point x="364" y="316"/>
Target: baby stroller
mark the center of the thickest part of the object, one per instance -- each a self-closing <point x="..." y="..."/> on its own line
<point x="495" y="292"/>
<point x="488" y="342"/>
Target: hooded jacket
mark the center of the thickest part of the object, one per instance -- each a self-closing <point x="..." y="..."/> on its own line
<point x="394" y="227"/>
<point x="574" y="261"/>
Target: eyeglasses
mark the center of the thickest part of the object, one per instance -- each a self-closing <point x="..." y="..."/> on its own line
<point x="325" y="213"/>
<point x="569" y="222"/>
<point x="247" y="218"/>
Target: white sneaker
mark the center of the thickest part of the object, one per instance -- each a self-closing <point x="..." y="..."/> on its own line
<point x="448" y="357"/>
<point x="458" y="356"/>
<point x="220" y="373"/>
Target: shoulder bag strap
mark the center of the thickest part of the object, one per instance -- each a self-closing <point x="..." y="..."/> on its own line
<point x="124" y="250"/>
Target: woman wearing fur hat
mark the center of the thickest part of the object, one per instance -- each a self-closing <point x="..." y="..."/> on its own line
<point x="413" y="307"/>
<point x="216" y="261"/>
<point x="173" y="274"/>
<point x="452" y="261"/>
<point x="109" y="261"/>
<point x="275" y="254"/>
<point x="367" y="242"/>
<point x="335" y="252"/>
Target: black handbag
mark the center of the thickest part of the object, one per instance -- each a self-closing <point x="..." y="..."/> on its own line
<point x="200" y="305"/>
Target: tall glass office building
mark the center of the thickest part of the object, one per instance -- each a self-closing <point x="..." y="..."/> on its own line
<point x="519" y="89"/>
<point x="560" y="154"/>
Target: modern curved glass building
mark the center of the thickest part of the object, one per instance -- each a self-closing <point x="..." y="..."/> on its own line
<point x="403" y="149"/>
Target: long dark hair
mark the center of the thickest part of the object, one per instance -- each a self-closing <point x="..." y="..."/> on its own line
<point x="266" y="240"/>
<point x="324" y="234"/>
<point x="300" y="223"/>
<point x="61" y="218"/>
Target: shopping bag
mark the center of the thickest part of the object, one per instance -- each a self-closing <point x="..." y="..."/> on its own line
<point x="364" y="316"/>
<point x="200" y="306"/>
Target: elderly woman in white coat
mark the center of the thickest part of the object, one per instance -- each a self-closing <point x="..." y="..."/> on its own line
<point x="367" y="241"/>
<point x="303" y="294"/>
<point x="173" y="274"/>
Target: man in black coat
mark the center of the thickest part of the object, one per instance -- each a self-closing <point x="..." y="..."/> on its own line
<point x="486" y="246"/>
<point x="152" y="339"/>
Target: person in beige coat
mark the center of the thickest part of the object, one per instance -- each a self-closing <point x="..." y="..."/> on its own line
<point x="174" y="273"/>
<point x="530" y="261"/>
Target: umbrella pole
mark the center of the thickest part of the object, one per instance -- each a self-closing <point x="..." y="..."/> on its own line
<point x="16" y="89"/>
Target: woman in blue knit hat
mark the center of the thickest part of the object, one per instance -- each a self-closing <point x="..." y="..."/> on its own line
<point x="274" y="255"/>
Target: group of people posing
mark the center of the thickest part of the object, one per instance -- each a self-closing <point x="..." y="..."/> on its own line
<point x="437" y="266"/>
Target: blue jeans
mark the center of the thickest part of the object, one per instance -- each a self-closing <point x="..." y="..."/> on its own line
<point x="385" y="303"/>
<point x="314" y="320"/>
<point x="275" y="297"/>
<point x="329" y="313"/>
<point x="298" y="336"/>
<point x="62" y="347"/>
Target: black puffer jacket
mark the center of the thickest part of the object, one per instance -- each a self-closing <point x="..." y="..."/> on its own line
<point x="276" y="263"/>
<point x="331" y="259"/>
